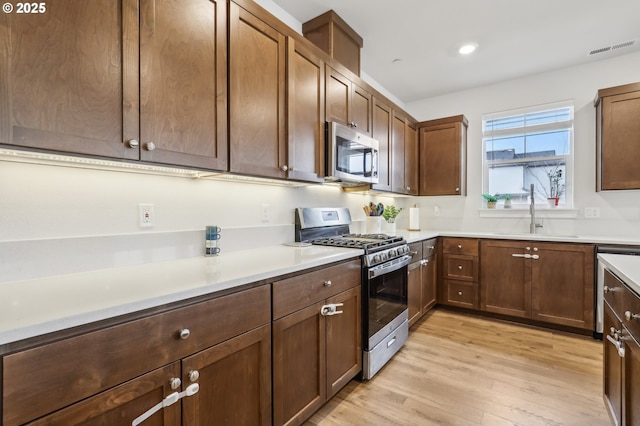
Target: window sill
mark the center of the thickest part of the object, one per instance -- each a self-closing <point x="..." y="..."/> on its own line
<point x="541" y="212"/>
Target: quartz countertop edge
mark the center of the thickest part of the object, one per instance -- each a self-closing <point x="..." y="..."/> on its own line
<point x="35" y="307"/>
<point x="627" y="268"/>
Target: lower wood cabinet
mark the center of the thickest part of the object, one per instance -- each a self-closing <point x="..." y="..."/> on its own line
<point x="317" y="350"/>
<point x="113" y="375"/>
<point x="422" y="279"/>
<point x="459" y="281"/>
<point x="549" y="282"/>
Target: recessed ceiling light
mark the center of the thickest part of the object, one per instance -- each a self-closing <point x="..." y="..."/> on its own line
<point x="397" y="60"/>
<point x="467" y="48"/>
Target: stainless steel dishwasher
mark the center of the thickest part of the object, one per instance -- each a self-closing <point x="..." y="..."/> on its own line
<point x="609" y="249"/>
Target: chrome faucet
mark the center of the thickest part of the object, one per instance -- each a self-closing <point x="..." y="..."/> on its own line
<point x="532" y="210"/>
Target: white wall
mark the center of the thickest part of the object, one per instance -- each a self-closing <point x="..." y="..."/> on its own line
<point x="619" y="211"/>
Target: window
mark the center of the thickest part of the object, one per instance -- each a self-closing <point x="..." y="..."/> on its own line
<point x="530" y="146"/>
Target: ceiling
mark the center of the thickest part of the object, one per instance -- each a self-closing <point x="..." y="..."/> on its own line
<point x="515" y="38"/>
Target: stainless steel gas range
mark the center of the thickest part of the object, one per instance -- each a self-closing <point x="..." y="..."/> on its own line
<point x="384" y="280"/>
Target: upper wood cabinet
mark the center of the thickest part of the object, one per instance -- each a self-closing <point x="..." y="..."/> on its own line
<point x="404" y="155"/>
<point x="305" y="113"/>
<point x="618" y="137"/>
<point x="443" y="152"/>
<point x="381" y="131"/>
<point x="150" y="83"/>
<point x="257" y="134"/>
<point x="347" y="103"/>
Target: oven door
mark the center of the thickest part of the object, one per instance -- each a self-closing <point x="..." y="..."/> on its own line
<point x="385" y="300"/>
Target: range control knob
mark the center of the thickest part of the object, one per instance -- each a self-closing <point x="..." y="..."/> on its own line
<point x="392" y="253"/>
<point x="376" y="258"/>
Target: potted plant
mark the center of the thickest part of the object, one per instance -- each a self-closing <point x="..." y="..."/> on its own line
<point x="492" y="200"/>
<point x="507" y="201"/>
<point x="389" y="214"/>
<point x="556" y="187"/>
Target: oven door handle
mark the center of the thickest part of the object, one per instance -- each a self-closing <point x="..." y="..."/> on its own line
<point x="391" y="266"/>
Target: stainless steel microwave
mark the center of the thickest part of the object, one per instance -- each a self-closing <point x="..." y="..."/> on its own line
<point x="351" y="156"/>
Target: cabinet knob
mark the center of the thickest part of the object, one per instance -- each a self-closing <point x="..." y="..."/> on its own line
<point x="459" y="293"/>
<point x="528" y="248"/>
<point x="408" y="188"/>
<point x="284" y="168"/>
<point x="457" y="189"/>
<point x="629" y="316"/>
<point x="185" y="333"/>
<point x="459" y="246"/>
<point x="175" y="383"/>
<point x="133" y="143"/>
<point x="431" y="247"/>
<point x="327" y="283"/>
<point x="194" y="375"/>
<point x="150" y="146"/>
<point x="460" y="267"/>
<point x="535" y="249"/>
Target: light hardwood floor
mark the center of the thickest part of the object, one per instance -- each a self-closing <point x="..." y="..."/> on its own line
<point x="460" y="369"/>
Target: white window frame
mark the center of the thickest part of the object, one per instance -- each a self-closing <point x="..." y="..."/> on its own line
<point x="569" y="158"/>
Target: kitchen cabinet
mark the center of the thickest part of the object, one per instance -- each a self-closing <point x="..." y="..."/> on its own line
<point x="257" y="134"/>
<point x="422" y="279"/>
<point x="347" y="102"/>
<point x="618" y="137"/>
<point x="621" y="352"/>
<point x="443" y="156"/>
<point x="229" y="334"/>
<point x="459" y="284"/>
<point x="317" y="339"/>
<point x="150" y="84"/>
<point x="382" y="113"/>
<point x="305" y="113"/>
<point x="404" y="155"/>
<point x="548" y="282"/>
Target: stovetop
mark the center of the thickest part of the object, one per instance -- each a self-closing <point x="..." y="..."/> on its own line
<point x="367" y="242"/>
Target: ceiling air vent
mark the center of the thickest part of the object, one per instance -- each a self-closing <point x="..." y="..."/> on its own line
<point x="616" y="46"/>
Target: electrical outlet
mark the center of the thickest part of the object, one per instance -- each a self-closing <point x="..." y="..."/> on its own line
<point x="265" y="212"/>
<point x="591" y="212"/>
<point x="146" y="215"/>
<point x="436" y="211"/>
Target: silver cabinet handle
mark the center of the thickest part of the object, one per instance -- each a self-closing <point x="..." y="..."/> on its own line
<point x="392" y="341"/>
<point x="194" y="375"/>
<point x="460" y="267"/>
<point x="284" y="168"/>
<point x="133" y="143"/>
<point x="535" y="249"/>
<point x="528" y="248"/>
<point x="459" y="246"/>
<point x="457" y="189"/>
<point x="608" y="289"/>
<point x="629" y="316"/>
<point x="175" y="383"/>
<point x="431" y="247"/>
<point x="185" y="333"/>
<point x="535" y="257"/>
<point x="327" y="283"/>
<point x="150" y="146"/>
<point x="526" y="256"/>
<point x="459" y="293"/>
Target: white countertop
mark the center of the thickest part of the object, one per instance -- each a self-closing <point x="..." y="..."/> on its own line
<point x="627" y="268"/>
<point x="35" y="307"/>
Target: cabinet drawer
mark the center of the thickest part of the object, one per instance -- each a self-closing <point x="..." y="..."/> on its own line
<point x="417" y="248"/>
<point x="303" y="290"/>
<point x="461" y="267"/>
<point x="43" y="379"/>
<point x="468" y="246"/>
<point x="631" y="312"/>
<point x="461" y="293"/>
<point x="614" y="293"/>
<point x="429" y="247"/>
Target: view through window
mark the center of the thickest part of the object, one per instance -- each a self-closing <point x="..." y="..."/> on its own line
<point x="529" y="146"/>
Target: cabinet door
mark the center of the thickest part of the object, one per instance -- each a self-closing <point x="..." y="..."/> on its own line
<point x="562" y="284"/>
<point x="122" y="404"/>
<point x="299" y="365"/>
<point x="344" y="340"/>
<point x="361" y="103"/>
<point x="382" y="133"/>
<point x="256" y="96"/>
<point x="234" y="379"/>
<point x="397" y="154"/>
<point x="69" y="77"/>
<point x="442" y="158"/>
<point x="612" y="366"/>
<point x="183" y="82"/>
<point x="620" y="141"/>
<point x="414" y="288"/>
<point x="411" y="159"/>
<point x="305" y="112"/>
<point x="337" y="97"/>
<point x="505" y="281"/>
<point x="429" y="283"/>
<point x="631" y="382"/>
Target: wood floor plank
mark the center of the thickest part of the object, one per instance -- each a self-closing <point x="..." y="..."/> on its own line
<point x="459" y="369"/>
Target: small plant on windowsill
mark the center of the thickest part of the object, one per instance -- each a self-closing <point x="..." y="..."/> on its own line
<point x="492" y="200"/>
<point x="556" y="187"/>
<point x="507" y="200"/>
